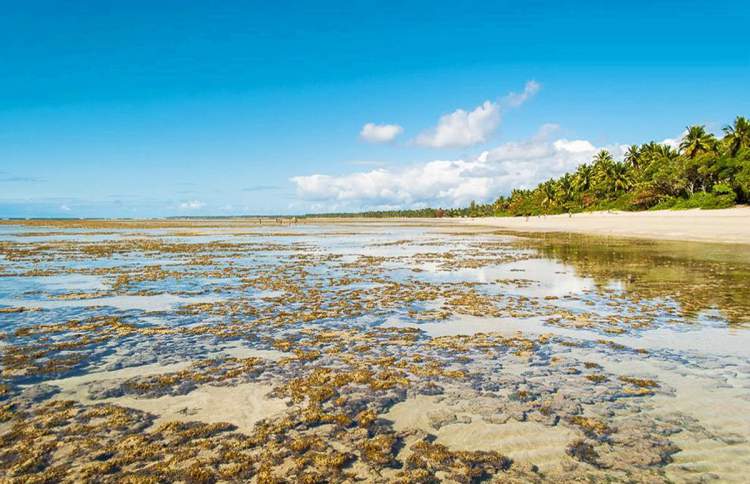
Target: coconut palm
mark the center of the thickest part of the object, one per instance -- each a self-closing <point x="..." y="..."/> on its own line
<point x="583" y="178"/>
<point x="737" y="136"/>
<point x="620" y="177"/>
<point x="697" y="141"/>
<point x="603" y="162"/>
<point x="564" y="188"/>
<point x="603" y="158"/>
<point x="667" y="152"/>
<point x="633" y="156"/>
<point x="547" y="191"/>
<point x="649" y="174"/>
<point x="654" y="155"/>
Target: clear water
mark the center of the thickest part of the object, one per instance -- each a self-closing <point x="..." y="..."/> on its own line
<point x="671" y="317"/>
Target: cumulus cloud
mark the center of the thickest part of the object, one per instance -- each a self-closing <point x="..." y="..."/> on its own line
<point x="529" y="90"/>
<point x="462" y="128"/>
<point x="467" y="128"/>
<point x="451" y="183"/>
<point x="380" y="133"/>
<point x="192" y="205"/>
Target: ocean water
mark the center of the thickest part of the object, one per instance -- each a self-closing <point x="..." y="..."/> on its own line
<point x="379" y="351"/>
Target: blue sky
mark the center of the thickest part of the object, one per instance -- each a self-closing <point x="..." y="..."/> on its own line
<point x="184" y="108"/>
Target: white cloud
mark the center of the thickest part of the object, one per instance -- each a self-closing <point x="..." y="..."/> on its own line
<point x="192" y="205"/>
<point x="451" y="183"/>
<point x="64" y="208"/>
<point x="461" y="128"/>
<point x="674" y="143"/>
<point x="529" y="90"/>
<point x="380" y="133"/>
<point x="466" y="128"/>
<point x="574" y="146"/>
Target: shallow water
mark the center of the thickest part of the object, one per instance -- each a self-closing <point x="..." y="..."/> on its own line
<point x="377" y="352"/>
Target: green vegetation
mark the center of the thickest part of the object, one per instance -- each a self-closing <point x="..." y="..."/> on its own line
<point x="706" y="172"/>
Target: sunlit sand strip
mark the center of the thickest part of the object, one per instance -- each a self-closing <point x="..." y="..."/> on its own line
<point x="730" y="225"/>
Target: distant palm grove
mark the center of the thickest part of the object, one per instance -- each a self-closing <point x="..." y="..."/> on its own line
<point x="705" y="172"/>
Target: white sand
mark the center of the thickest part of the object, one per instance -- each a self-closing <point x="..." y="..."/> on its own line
<point x="731" y="225"/>
<point x="242" y="405"/>
<point x="529" y="442"/>
<point x="73" y="387"/>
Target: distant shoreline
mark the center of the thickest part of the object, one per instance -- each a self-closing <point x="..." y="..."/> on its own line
<point x="729" y="225"/>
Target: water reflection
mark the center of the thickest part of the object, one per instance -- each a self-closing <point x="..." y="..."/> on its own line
<point x="699" y="277"/>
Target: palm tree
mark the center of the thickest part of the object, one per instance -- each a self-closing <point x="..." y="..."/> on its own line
<point x="603" y="162"/>
<point x="697" y="141"/>
<point x="547" y="191"/>
<point x="564" y="188"/>
<point x="648" y="153"/>
<point x="667" y="152"/>
<point x="633" y="156"/>
<point x="620" y="177"/>
<point x="583" y="178"/>
<point x="737" y="136"/>
<point x="603" y="158"/>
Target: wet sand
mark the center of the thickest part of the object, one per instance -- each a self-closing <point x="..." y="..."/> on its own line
<point x="456" y="427"/>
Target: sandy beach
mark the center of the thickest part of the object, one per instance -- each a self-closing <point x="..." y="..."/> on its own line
<point x="731" y="225"/>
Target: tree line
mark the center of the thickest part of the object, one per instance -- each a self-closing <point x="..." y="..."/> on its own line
<point x="704" y="172"/>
